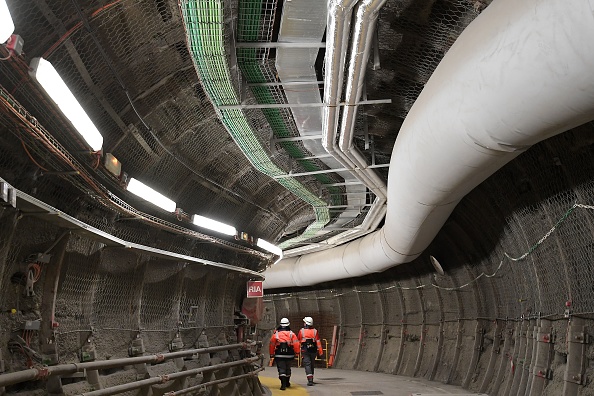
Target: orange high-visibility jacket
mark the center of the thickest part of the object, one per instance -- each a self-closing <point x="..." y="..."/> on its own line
<point x="310" y="333"/>
<point x="280" y="336"/>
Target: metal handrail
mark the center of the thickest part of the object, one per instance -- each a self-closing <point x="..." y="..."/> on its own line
<point x="216" y="382"/>
<point x="37" y="373"/>
<point x="161" y="379"/>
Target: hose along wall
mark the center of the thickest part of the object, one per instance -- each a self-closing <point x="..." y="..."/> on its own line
<point x="204" y="25"/>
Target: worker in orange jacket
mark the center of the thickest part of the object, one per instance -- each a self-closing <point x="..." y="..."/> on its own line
<point x="284" y="345"/>
<point x="309" y="338"/>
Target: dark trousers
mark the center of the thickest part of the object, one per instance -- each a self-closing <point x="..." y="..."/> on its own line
<point x="308" y="362"/>
<point x="283" y="365"/>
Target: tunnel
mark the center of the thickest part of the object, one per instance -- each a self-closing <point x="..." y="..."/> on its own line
<point x="177" y="177"/>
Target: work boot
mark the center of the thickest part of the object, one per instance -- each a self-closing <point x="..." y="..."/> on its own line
<point x="283" y="387"/>
<point x="288" y="383"/>
<point x="310" y="381"/>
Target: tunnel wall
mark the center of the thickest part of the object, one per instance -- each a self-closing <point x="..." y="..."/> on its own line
<point x="511" y="312"/>
<point x="108" y="300"/>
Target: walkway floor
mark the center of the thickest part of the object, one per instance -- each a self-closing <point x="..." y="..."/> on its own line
<point x="334" y="382"/>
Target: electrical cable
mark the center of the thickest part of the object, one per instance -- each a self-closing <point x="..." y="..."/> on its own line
<point x="73" y="29"/>
<point x="61" y="154"/>
<point x="31" y="157"/>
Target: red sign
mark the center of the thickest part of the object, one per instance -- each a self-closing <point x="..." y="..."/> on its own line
<point x="255" y="289"/>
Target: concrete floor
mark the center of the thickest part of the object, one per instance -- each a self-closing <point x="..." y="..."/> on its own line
<point x="331" y="382"/>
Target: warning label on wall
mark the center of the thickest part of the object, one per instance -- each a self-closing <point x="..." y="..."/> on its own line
<point x="255" y="289"/>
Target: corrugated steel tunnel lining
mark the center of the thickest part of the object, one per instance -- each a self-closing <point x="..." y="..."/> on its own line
<point x="463" y="327"/>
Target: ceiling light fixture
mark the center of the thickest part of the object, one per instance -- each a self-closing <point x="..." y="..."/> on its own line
<point x="145" y="192"/>
<point x="113" y="165"/>
<point x="6" y="23"/>
<point x="269" y="247"/>
<point x="58" y="91"/>
<point x="213" y="225"/>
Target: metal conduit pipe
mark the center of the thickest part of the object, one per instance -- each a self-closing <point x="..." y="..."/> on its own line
<point x="305" y="21"/>
<point x="38" y="373"/>
<point x="517" y="75"/>
<point x="366" y="12"/>
<point x="337" y="33"/>
<point x="337" y="38"/>
<point x="114" y="390"/>
<point x="19" y="376"/>
<point x="216" y="382"/>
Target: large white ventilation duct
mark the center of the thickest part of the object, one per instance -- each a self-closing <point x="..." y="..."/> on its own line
<point x="520" y="73"/>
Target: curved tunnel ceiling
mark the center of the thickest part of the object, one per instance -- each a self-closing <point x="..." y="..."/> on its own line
<point x="129" y="64"/>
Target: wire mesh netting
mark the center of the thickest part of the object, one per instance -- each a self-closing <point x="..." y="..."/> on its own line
<point x="158" y="120"/>
<point x="518" y="247"/>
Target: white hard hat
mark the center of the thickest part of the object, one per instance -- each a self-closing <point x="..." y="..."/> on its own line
<point x="284" y="322"/>
<point x="308" y="320"/>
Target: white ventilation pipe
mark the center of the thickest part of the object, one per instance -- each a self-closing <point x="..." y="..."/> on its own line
<point x="520" y="73"/>
<point x="337" y="34"/>
<point x="338" y="30"/>
<point x="366" y="13"/>
<point x="305" y="21"/>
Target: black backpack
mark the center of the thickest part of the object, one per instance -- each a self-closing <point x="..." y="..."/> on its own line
<point x="284" y="349"/>
<point x="310" y="345"/>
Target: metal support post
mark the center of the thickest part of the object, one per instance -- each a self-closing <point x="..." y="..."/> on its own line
<point x="513" y="358"/>
<point x="479" y="336"/>
<point x="527" y="359"/>
<point x="577" y="340"/>
<point x="519" y="357"/>
<point x="542" y="364"/>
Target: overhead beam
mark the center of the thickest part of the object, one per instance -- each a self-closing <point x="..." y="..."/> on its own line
<point x="352" y="193"/>
<point x="347" y="206"/>
<point x="314" y="157"/>
<point x="296" y="105"/>
<point x="279" y="45"/>
<point x="327" y="171"/>
<point x="296" y="139"/>
<point x="352" y="183"/>
<point x="284" y="83"/>
<point x="29" y="204"/>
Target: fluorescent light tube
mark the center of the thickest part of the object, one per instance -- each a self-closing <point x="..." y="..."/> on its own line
<point x="6" y="23"/>
<point x="148" y="194"/>
<point x="54" y="86"/>
<point x="214" y="225"/>
<point x="269" y="247"/>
